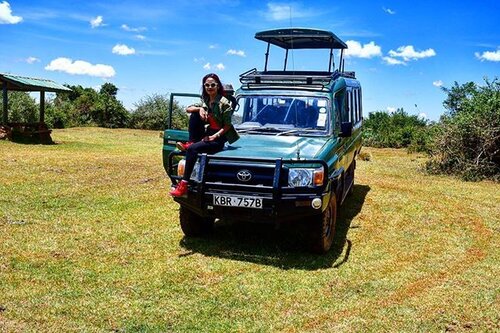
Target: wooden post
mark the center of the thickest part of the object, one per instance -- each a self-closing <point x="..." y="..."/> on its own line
<point x="5" y="117"/>
<point x="42" y="106"/>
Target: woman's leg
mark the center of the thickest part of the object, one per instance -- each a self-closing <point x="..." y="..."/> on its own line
<point x="209" y="147"/>
<point x="196" y="127"/>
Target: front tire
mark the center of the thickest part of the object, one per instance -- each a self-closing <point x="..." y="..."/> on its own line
<point x="194" y="225"/>
<point x="323" y="228"/>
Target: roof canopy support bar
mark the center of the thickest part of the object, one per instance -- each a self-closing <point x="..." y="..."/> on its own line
<point x="42" y="106"/>
<point x="330" y="62"/>
<point x="267" y="56"/>
<point x="341" y="59"/>
<point x="5" y="116"/>
<point x="286" y="59"/>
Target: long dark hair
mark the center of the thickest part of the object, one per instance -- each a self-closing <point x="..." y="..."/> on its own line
<point x="220" y="87"/>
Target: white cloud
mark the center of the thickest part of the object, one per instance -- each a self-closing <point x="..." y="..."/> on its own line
<point x="392" y="61"/>
<point x="391" y="109"/>
<point x="488" y="56"/>
<point x="32" y="60"/>
<point x="97" y="22"/>
<point x="130" y="29"/>
<point x="388" y="11"/>
<point x="437" y="83"/>
<point x="283" y="11"/>
<point x="123" y="49"/>
<point x="80" y="67"/>
<point x="423" y="116"/>
<point x="240" y="53"/>
<point x="408" y="53"/>
<point x="140" y="37"/>
<point x="219" y="67"/>
<point x="199" y="59"/>
<point x="6" y="16"/>
<point x="213" y="46"/>
<point x="355" y="49"/>
<point x="277" y="12"/>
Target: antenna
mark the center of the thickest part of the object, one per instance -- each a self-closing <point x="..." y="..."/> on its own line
<point x="291" y="40"/>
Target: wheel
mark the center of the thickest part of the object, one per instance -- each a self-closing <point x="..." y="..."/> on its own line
<point x="194" y="225"/>
<point x="323" y="228"/>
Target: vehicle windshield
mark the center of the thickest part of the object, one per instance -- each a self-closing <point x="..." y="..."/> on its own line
<point x="282" y="115"/>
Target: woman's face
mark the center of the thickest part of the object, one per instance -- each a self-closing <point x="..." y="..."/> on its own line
<point x="210" y="86"/>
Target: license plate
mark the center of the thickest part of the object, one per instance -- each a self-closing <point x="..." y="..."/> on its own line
<point x="237" y="201"/>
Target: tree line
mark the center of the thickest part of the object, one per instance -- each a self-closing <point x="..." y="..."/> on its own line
<point x="89" y="107"/>
<point x="465" y="141"/>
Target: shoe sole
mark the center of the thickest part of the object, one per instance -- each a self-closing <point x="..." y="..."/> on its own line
<point x="179" y="146"/>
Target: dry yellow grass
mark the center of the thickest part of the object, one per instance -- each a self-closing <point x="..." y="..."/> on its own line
<point x="89" y="241"/>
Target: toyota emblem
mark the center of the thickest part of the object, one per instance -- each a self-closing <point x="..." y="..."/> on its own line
<point x="244" y="175"/>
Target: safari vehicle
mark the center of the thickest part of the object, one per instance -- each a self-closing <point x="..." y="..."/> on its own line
<point x="300" y="132"/>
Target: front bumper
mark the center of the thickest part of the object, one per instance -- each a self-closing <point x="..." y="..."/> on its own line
<point x="279" y="201"/>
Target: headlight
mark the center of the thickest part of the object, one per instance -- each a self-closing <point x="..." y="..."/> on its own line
<point x="301" y="177"/>
<point x="195" y="175"/>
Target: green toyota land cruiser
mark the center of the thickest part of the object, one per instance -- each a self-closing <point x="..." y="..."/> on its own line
<point x="300" y="132"/>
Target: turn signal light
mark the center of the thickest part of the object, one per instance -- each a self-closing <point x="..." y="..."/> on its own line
<point x="180" y="167"/>
<point x="319" y="177"/>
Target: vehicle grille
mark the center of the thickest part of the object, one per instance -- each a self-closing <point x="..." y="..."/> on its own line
<point x="243" y="174"/>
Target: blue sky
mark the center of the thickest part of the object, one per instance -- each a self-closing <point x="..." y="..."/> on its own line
<point x="402" y="51"/>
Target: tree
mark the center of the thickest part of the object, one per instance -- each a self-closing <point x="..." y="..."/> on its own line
<point x="108" y="89"/>
<point x="109" y="111"/>
<point x="152" y="113"/>
<point x="79" y="105"/>
<point x="468" y="140"/>
<point x="22" y="107"/>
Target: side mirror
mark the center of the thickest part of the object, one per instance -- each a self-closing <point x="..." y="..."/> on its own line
<point x="345" y="129"/>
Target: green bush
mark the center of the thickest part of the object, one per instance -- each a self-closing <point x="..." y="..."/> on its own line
<point x="152" y="113"/>
<point x="468" y="140"/>
<point x="55" y="117"/>
<point x="396" y="130"/>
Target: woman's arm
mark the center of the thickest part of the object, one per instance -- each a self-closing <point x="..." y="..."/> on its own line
<point x="219" y="133"/>
<point x="195" y="108"/>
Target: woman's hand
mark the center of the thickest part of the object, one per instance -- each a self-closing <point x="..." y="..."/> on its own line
<point x="209" y="138"/>
<point x="203" y="114"/>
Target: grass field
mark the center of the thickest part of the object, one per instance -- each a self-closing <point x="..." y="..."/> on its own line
<point x="90" y="242"/>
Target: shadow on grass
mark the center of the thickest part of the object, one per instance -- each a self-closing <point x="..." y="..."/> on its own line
<point x="32" y="141"/>
<point x="286" y="247"/>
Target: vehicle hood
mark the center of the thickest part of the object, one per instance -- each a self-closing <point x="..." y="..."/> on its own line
<point x="272" y="146"/>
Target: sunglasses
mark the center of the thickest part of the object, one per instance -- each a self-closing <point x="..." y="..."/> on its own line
<point x="210" y="85"/>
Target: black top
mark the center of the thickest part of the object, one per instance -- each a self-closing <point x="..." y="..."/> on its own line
<point x="301" y="38"/>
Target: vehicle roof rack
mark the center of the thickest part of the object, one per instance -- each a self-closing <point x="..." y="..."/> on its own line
<point x="310" y="80"/>
<point x="302" y="38"/>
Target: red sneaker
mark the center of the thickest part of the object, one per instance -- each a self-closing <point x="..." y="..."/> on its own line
<point x="183" y="146"/>
<point x="181" y="189"/>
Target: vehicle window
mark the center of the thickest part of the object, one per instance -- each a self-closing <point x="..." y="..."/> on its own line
<point x="283" y="112"/>
<point x="339" y="100"/>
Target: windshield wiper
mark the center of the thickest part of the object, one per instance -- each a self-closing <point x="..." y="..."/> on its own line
<point x="299" y="130"/>
<point x="260" y="129"/>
